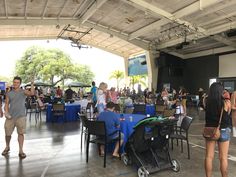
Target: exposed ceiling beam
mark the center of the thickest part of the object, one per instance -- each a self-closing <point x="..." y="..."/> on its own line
<point x="107" y="49"/>
<point x="92" y="9"/>
<point x="209" y="52"/>
<point x="221" y="17"/>
<point x="156" y="25"/>
<point x="105" y="29"/>
<point x="169" y="16"/>
<point x="173" y="53"/>
<point x="194" y="7"/>
<point x="81" y="6"/>
<point x="224" y="40"/>
<point x="207" y="11"/>
<point x="206" y="3"/>
<point x="5" y="5"/>
<point x="44" y="9"/>
<point x="26" y="4"/>
<point x="61" y="22"/>
<point x="63" y="7"/>
<point x="212" y="31"/>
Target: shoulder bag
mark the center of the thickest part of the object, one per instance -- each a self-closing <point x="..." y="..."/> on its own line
<point x="213" y="133"/>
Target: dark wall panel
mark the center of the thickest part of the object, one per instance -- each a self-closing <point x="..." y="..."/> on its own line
<point x="196" y="72"/>
<point x="171" y="70"/>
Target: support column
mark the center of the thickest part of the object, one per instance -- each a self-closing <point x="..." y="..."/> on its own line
<point x="126" y="71"/>
<point x="152" y="70"/>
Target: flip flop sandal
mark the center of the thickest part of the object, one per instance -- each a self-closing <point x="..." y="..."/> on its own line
<point x="22" y="155"/>
<point x="115" y="157"/>
<point x="5" y="152"/>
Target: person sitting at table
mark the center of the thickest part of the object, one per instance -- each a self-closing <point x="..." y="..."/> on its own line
<point x="69" y="94"/>
<point x="112" y="126"/>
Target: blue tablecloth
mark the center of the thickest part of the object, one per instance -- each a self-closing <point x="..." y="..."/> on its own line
<point x="128" y="123"/>
<point x="126" y="126"/>
<point x="71" y="113"/>
<point x="151" y="109"/>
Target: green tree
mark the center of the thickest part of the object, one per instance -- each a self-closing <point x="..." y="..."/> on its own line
<point x="52" y="66"/>
<point x="118" y="75"/>
<point x="6" y="79"/>
<point x="138" y="79"/>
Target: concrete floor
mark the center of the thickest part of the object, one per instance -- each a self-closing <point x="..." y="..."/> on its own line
<point x="53" y="150"/>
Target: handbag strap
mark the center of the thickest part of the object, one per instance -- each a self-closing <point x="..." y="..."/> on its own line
<point x="221" y="114"/>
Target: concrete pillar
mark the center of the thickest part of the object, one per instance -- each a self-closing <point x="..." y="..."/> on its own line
<point x="126" y="71"/>
<point x="152" y="69"/>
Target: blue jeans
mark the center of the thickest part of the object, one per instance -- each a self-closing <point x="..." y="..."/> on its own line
<point x="224" y="135"/>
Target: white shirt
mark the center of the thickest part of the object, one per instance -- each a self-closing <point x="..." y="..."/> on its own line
<point x="101" y="97"/>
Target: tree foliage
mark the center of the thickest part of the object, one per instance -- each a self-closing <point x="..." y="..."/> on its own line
<point x="118" y="75"/>
<point x="51" y="66"/>
<point x="138" y="79"/>
<point x="6" y="79"/>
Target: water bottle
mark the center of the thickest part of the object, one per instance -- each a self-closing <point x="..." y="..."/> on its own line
<point x="122" y="117"/>
<point x="91" y="111"/>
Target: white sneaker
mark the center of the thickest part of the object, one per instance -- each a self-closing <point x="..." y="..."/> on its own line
<point x="7" y="115"/>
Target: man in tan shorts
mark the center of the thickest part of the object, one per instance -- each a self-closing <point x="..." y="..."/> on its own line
<point x="16" y="115"/>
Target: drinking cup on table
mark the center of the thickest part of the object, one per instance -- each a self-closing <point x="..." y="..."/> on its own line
<point x="130" y="118"/>
<point x="122" y="117"/>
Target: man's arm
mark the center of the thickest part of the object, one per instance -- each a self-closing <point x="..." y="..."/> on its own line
<point x="6" y="107"/>
<point x="32" y="91"/>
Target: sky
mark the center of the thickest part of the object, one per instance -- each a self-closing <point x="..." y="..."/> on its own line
<point x="101" y="63"/>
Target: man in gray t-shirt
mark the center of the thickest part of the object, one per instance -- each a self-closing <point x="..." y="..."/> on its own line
<point x="15" y="114"/>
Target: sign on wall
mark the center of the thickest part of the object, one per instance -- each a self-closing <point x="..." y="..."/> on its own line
<point x="137" y="65"/>
<point x="2" y="85"/>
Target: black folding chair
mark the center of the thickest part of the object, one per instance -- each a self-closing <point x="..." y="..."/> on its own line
<point x="84" y="129"/>
<point x="98" y="128"/>
<point x="181" y="133"/>
<point x="139" y="109"/>
<point x="58" y="110"/>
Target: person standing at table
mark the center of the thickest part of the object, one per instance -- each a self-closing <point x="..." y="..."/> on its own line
<point x="94" y="92"/>
<point x="69" y="93"/>
<point x="101" y="97"/>
<point x="16" y="115"/>
<point x="215" y="104"/>
<point x="112" y="122"/>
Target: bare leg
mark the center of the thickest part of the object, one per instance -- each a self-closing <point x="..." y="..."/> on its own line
<point x="223" y="154"/>
<point x="116" y="150"/>
<point x="7" y="148"/>
<point x="7" y="139"/>
<point x="210" y="151"/>
<point x="21" y="142"/>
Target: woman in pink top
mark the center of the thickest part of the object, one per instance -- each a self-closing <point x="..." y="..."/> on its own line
<point x="113" y="95"/>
